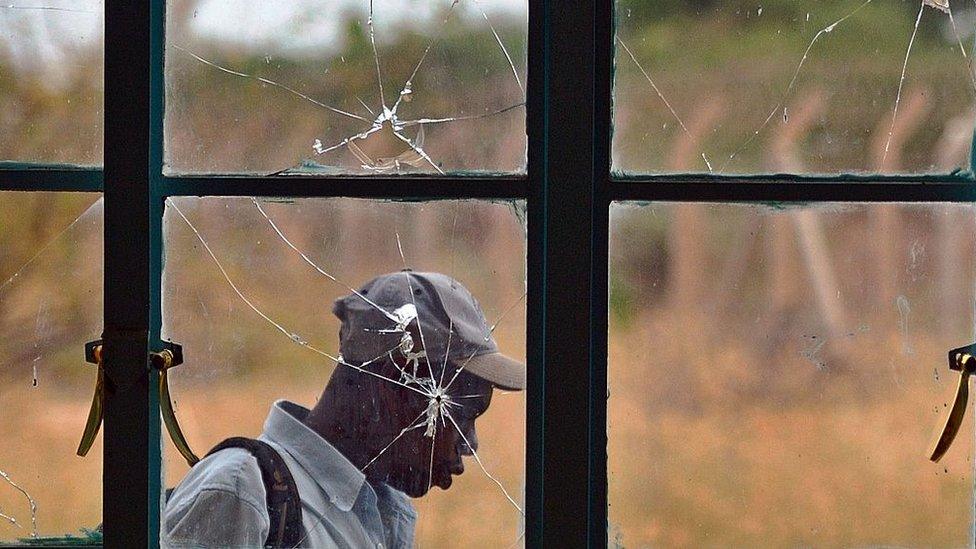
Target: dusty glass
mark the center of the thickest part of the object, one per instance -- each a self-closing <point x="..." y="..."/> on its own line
<point x="51" y="81"/>
<point x="813" y="87"/>
<point x="254" y="291"/>
<point x="50" y="305"/>
<point x="355" y="87"/>
<point x="777" y="375"/>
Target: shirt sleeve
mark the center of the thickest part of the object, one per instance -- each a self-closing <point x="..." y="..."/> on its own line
<point x="217" y="518"/>
<point x="221" y="502"/>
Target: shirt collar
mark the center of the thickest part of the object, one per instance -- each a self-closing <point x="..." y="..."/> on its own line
<point x="335" y="474"/>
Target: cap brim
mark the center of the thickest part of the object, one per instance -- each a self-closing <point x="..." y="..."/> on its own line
<point x="501" y="371"/>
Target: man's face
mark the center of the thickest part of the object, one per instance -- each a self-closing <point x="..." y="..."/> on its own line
<point x="440" y="433"/>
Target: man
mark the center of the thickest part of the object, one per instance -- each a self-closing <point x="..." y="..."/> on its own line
<point x="417" y="367"/>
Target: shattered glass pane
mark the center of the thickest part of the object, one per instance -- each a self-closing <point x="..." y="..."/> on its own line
<point x="50" y="305"/>
<point x="51" y="81"/>
<point x="777" y="375"/>
<point x="254" y="290"/>
<point x="812" y="87"/>
<point x="352" y="87"/>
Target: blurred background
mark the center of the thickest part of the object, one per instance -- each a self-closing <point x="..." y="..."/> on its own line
<point x="51" y="81"/>
<point x="50" y="305"/>
<point x="50" y="268"/>
<point x="725" y="69"/>
<point x="222" y="122"/>
<point x="776" y="373"/>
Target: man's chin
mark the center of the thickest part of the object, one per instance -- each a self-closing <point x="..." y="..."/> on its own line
<point x="419" y="489"/>
<point x="444" y="483"/>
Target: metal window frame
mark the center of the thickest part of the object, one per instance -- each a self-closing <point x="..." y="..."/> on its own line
<point x="568" y="187"/>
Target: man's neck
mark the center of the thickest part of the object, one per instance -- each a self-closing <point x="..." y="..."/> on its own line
<point x="329" y="423"/>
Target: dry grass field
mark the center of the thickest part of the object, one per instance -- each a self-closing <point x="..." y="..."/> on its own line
<point x="838" y="463"/>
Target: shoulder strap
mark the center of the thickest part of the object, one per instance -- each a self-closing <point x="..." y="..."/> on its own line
<point x="284" y="503"/>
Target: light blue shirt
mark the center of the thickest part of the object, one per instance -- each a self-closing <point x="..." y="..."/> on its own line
<point x="221" y="501"/>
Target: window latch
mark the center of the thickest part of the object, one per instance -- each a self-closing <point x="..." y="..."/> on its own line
<point x="961" y="360"/>
<point x="93" y="355"/>
<point x="170" y="356"/>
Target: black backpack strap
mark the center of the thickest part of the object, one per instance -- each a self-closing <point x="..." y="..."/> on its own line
<point x="284" y="503"/>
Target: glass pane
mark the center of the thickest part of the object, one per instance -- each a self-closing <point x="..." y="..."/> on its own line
<point x="51" y="81"/>
<point x="259" y="321"/>
<point x="354" y="86"/>
<point x="50" y="305"/>
<point x="777" y="374"/>
<point x="818" y="87"/>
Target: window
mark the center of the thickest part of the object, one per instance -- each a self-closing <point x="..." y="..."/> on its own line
<point x="50" y="298"/>
<point x="774" y="372"/>
<point x="243" y="361"/>
<point x="772" y="382"/>
<point x="830" y="89"/>
<point x="51" y="90"/>
<point x="340" y="87"/>
<point x="384" y="88"/>
<point x="241" y="149"/>
<point x="50" y="268"/>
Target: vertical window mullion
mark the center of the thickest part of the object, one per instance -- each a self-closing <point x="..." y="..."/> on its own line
<point x="127" y="446"/>
<point x="603" y="30"/>
<point x="536" y="104"/>
<point x="567" y="206"/>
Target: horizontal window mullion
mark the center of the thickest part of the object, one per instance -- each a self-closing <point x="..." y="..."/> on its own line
<point x="957" y="176"/>
<point x="66" y="179"/>
<point x="352" y="187"/>
<point x="760" y="190"/>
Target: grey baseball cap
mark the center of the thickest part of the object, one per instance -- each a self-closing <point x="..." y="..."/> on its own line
<point x="373" y="324"/>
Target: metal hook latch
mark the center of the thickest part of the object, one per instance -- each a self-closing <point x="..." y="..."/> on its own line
<point x="170" y="356"/>
<point x="93" y="355"/>
<point x="961" y="360"/>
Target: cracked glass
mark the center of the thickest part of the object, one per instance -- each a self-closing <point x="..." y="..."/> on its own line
<point x="352" y="87"/>
<point x="826" y="87"/>
<point x="777" y="374"/>
<point x="51" y="82"/>
<point x="380" y="318"/>
<point x="50" y="306"/>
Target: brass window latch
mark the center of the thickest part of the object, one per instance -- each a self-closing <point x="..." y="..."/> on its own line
<point x="961" y="360"/>
<point x="170" y="356"/>
<point x="93" y="355"/>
